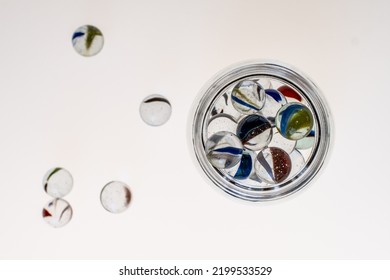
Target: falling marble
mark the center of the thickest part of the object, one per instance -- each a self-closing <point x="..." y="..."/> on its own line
<point x="115" y="197"/>
<point x="57" y="212"/>
<point x="155" y="110"/>
<point x="87" y="40"/>
<point x="245" y="168"/>
<point x="248" y="97"/>
<point x="221" y="122"/>
<point x="57" y="182"/>
<point x="294" y="121"/>
<point x="223" y="150"/>
<point x="307" y="142"/>
<point x="274" y="100"/>
<point x="272" y="165"/>
<point x="255" y="132"/>
<point x="283" y="143"/>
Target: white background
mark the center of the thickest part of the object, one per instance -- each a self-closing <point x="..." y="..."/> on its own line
<point x="60" y="109"/>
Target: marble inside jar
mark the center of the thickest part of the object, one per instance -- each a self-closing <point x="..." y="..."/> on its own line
<point x="275" y="126"/>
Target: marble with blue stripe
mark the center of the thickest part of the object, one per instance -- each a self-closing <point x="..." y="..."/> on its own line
<point x="245" y="168"/>
<point x="223" y="150"/>
<point x="87" y="40"/>
<point x="248" y="97"/>
<point x="294" y="121"/>
<point x="255" y="132"/>
<point x="274" y="100"/>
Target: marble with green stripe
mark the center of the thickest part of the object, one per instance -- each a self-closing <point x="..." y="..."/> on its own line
<point x="87" y="40"/>
<point x="294" y="121"/>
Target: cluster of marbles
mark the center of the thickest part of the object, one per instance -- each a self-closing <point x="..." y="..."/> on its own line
<point x="115" y="197"/>
<point x="260" y="131"/>
<point x="57" y="183"/>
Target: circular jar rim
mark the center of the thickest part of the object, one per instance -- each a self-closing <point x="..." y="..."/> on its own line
<point x="290" y="75"/>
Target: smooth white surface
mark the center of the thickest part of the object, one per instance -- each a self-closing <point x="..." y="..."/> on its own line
<point x="60" y="109"/>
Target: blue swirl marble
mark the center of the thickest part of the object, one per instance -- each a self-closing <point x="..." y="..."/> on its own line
<point x="223" y="150"/>
<point x="248" y="97"/>
<point x="274" y="100"/>
<point x="294" y="121"/>
<point x="255" y="132"/>
<point x="246" y="166"/>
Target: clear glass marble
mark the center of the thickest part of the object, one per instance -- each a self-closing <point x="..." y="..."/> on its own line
<point x="221" y="122"/>
<point x="224" y="105"/>
<point x="283" y="143"/>
<point x="87" y="40"/>
<point x="57" y="212"/>
<point x="298" y="163"/>
<point x="307" y="142"/>
<point x="115" y="197"/>
<point x="155" y="110"/>
<point x="57" y="182"/>
<point x="283" y="128"/>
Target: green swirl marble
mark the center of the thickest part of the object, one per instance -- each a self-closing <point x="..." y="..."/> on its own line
<point x="294" y="121"/>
